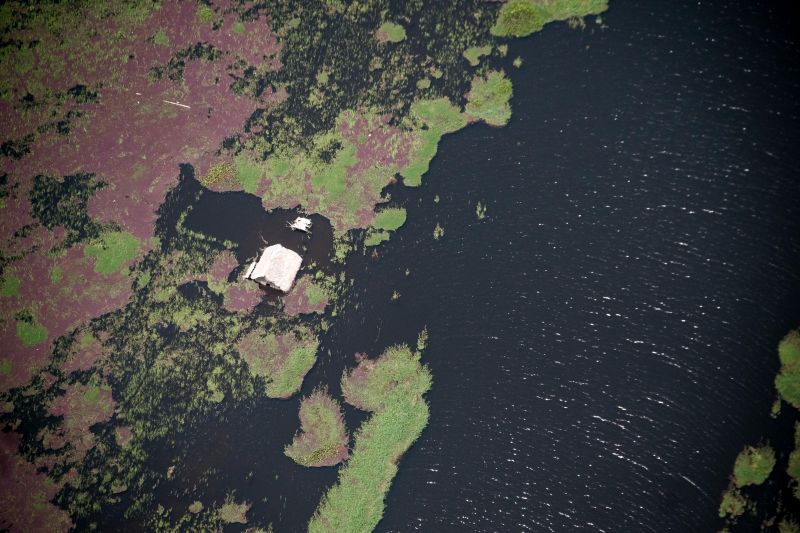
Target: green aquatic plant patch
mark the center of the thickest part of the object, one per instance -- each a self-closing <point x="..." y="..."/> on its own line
<point x="31" y="333"/>
<point x="753" y="465"/>
<point x="112" y="250"/>
<point x="392" y="387"/>
<point x="390" y="219"/>
<point x="519" y="18"/>
<point x="394" y="33"/>
<point x="488" y="98"/>
<point x="323" y="439"/>
<point x="787" y="382"/>
<point x="473" y="54"/>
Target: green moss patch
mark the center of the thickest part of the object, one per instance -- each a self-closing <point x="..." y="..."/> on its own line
<point x="434" y="118"/>
<point x="161" y="38"/>
<point x="112" y="251"/>
<point x="488" y="99"/>
<point x="392" y="387"/>
<point x="733" y="503"/>
<point x="9" y="286"/>
<point x="233" y="513"/>
<point x="391" y="32"/>
<point x="248" y="173"/>
<point x="753" y="465"/>
<point x="390" y="219"/>
<point x="473" y="54"/>
<point x="518" y="18"/>
<point x="31" y="333"/>
<point x="788" y="380"/>
<point x="323" y="438"/>
<point x="793" y="467"/>
<point x="282" y="360"/>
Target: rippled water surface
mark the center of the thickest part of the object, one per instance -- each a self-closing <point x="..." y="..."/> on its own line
<point x="602" y="344"/>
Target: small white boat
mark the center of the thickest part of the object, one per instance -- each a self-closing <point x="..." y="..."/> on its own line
<point x="301" y="224"/>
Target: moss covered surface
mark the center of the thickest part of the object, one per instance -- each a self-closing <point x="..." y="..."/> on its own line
<point x="753" y="465"/>
<point x="519" y="18"/>
<point x="391" y="32"/>
<point x="788" y="380"/>
<point x="391" y="387"/>
<point x="323" y="438"/>
<point x="488" y="99"/>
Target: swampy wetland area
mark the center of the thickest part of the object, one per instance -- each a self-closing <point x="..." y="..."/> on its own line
<point x="551" y="284"/>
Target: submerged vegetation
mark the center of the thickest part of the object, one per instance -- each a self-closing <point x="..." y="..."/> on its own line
<point x="391" y="387"/>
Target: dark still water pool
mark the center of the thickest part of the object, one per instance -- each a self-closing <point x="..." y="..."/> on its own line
<point x="603" y="343"/>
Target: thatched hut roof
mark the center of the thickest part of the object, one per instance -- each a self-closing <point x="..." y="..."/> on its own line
<point x="277" y="267"/>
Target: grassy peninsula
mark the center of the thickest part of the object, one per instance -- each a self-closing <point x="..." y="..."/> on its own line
<point x="519" y="18"/>
<point x="392" y="388"/>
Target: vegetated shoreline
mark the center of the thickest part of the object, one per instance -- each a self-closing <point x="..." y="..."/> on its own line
<point x="140" y="360"/>
<point x="759" y="463"/>
<point x="392" y="388"/>
<point x="323" y="439"/>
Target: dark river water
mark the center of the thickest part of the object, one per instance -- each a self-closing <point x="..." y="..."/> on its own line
<point x="603" y="343"/>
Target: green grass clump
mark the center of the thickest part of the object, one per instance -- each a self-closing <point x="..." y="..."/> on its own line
<point x="488" y="98"/>
<point x="793" y="467"/>
<point x="788" y="525"/>
<point x="438" y="117"/>
<point x="438" y="114"/>
<point x="753" y="465"/>
<point x="787" y="382"/>
<point x="394" y="32"/>
<point x="31" y="333"/>
<point x="392" y="386"/>
<point x="374" y="238"/>
<point x="315" y="293"/>
<point x="55" y="274"/>
<point x="518" y="18"/>
<point x="205" y="14"/>
<point x="420" y="160"/>
<point x="323" y="436"/>
<point x="332" y="176"/>
<point x="289" y="377"/>
<point x="390" y="219"/>
<point x="5" y="367"/>
<point x="248" y="173"/>
<point x="161" y="38"/>
<point x="473" y="54"/>
<point x="733" y="503"/>
<point x="232" y="512"/>
<point x="111" y="251"/>
<point x="9" y="286"/>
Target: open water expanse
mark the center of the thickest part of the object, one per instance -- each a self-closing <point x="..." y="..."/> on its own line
<point x="603" y="343"/>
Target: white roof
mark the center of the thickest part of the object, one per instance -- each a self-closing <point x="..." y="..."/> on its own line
<point x="277" y="267"/>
